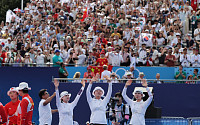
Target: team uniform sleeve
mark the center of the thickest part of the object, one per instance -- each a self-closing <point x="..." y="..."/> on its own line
<point x="58" y="102"/>
<point x="2" y="115"/>
<point x="126" y="98"/>
<point x="148" y="101"/>
<point x="107" y="98"/>
<point x="88" y="94"/>
<point x="74" y="103"/>
<point x="23" y="105"/>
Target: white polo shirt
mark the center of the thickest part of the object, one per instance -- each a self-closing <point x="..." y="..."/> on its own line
<point x="45" y="115"/>
<point x="197" y="31"/>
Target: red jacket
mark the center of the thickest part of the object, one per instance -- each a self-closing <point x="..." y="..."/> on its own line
<point x="11" y="112"/>
<point x="3" y="117"/>
<point x="25" y="111"/>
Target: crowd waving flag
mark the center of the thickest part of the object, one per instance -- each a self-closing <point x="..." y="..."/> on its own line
<point x="99" y="69"/>
<point x="85" y="14"/>
<point x="146" y="38"/>
<point x="10" y="14"/>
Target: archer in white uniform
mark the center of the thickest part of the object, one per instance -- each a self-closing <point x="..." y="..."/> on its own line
<point x="139" y="106"/>
<point x="65" y="108"/>
<point x="97" y="105"/>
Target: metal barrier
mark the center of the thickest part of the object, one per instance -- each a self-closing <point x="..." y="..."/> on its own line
<point x="172" y="81"/>
<point x="194" y="120"/>
<point x="36" y="65"/>
<point x="167" y="121"/>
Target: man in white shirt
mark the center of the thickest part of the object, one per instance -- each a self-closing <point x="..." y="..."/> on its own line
<point x="195" y="59"/>
<point x="185" y="58"/>
<point x="105" y="72"/>
<point x="197" y="33"/>
<point x="175" y="40"/>
<point x="45" y="111"/>
<point x="116" y="57"/>
<point x="107" y="53"/>
<point x="39" y="58"/>
<point x="142" y="55"/>
<point x="81" y="58"/>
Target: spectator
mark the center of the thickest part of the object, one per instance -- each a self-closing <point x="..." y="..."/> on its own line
<point x="142" y="55"/>
<point x="141" y="76"/>
<point x="158" y="81"/>
<point x="77" y="76"/>
<point x="32" y="55"/>
<point x="116" y="57"/>
<point x="102" y="60"/>
<point x="170" y="59"/>
<point x="81" y="58"/>
<point x="128" y="75"/>
<point x="89" y="74"/>
<point x="195" y="59"/>
<point x="190" y="77"/>
<point x="57" y="59"/>
<point x="27" y="60"/>
<point x="185" y="58"/>
<point x="126" y="56"/>
<point x="155" y="56"/>
<point x="90" y="60"/>
<point x="180" y="75"/>
<point x="197" y="34"/>
<point x="195" y="74"/>
<point x="63" y="71"/>
<point x="105" y="72"/>
<point x="9" y="60"/>
<point x="71" y="60"/>
<point x="114" y="78"/>
<point x="39" y="58"/>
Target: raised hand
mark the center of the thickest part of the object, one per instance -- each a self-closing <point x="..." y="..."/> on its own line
<point x="144" y="83"/>
<point x="95" y="78"/>
<point x="56" y="83"/>
<point x="128" y="83"/>
<point x="107" y="78"/>
<point x="83" y="82"/>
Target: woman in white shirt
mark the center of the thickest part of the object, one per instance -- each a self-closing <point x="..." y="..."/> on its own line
<point x="98" y="105"/>
<point x="65" y="108"/>
<point x="139" y="106"/>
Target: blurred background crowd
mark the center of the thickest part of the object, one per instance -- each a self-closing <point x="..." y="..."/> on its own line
<point x="101" y="32"/>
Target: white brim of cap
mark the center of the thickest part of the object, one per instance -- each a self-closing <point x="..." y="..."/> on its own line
<point x="69" y="94"/>
<point x="98" y="88"/>
<point x="8" y="93"/>
<point x="18" y="88"/>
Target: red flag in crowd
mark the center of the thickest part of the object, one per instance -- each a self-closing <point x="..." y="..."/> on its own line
<point x="194" y="4"/>
<point x="85" y="14"/>
<point x="99" y="69"/>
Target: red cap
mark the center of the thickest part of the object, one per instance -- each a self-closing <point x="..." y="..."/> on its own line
<point x="102" y="52"/>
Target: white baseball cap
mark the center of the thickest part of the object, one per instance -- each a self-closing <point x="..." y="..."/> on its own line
<point x="23" y="85"/>
<point x="98" y="88"/>
<point x="64" y="93"/>
<point x="12" y="89"/>
<point x="139" y="91"/>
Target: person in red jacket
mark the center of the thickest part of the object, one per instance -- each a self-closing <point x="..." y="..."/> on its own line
<point x="11" y="107"/>
<point x="3" y="117"/>
<point x="89" y="74"/>
<point x="25" y="110"/>
<point x="102" y="60"/>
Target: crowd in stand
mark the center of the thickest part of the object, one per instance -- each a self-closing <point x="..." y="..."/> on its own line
<point x="117" y="32"/>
